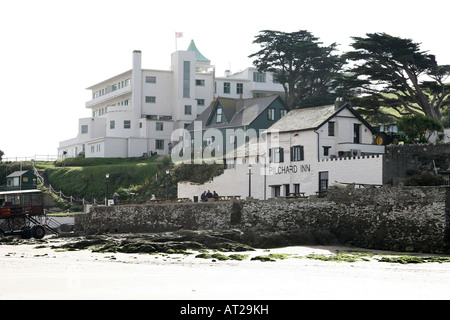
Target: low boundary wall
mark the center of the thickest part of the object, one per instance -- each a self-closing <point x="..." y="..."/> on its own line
<point x="391" y="218"/>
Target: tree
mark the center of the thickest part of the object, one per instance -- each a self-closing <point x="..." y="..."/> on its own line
<point x="1" y="155"/>
<point x="393" y="73"/>
<point x="419" y="128"/>
<point x="306" y="70"/>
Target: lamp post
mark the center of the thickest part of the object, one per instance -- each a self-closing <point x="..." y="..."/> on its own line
<point x="249" y="180"/>
<point x="167" y="184"/>
<point x="106" y="181"/>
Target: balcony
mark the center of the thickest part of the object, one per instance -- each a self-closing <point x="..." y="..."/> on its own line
<point x="108" y="96"/>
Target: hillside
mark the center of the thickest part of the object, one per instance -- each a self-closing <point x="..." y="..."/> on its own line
<point x="135" y="178"/>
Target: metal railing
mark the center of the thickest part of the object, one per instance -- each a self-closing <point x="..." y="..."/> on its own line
<point x="43" y="158"/>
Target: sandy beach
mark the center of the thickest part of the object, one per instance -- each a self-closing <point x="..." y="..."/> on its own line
<point x="38" y="271"/>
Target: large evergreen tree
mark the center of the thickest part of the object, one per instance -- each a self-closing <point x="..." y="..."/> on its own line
<point x="394" y="73"/>
<point x="306" y="69"/>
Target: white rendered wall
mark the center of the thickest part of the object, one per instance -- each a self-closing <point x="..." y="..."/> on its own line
<point x="235" y="181"/>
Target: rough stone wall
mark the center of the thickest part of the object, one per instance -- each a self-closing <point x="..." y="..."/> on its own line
<point x="401" y="160"/>
<point x="402" y="219"/>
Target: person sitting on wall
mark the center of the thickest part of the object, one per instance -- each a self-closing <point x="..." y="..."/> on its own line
<point x="203" y="196"/>
<point x="209" y="194"/>
<point x="215" y="195"/>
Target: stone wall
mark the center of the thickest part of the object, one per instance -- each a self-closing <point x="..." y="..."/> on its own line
<point x="391" y="218"/>
<point x="407" y="159"/>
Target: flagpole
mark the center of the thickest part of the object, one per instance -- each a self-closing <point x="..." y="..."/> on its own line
<point x="177" y="35"/>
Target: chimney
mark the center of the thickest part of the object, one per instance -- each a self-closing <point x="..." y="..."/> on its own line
<point x="137" y="59"/>
<point x="339" y="102"/>
<point x="227" y="73"/>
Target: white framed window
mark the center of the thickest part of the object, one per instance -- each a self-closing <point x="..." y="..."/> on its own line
<point x="239" y="88"/>
<point x="219" y="115"/>
<point x="159" y="144"/>
<point x="297" y="153"/>
<point x="127" y="124"/>
<point x="150" y="99"/>
<point x="259" y="77"/>
<point x="226" y="87"/>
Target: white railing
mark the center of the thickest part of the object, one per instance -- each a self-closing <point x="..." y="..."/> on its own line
<point x="45" y="158"/>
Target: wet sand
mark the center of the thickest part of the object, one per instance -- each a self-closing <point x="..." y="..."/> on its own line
<point x="36" y="271"/>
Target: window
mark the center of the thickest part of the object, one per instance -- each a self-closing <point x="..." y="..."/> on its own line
<point x="239" y="88"/>
<point x="159" y="144"/>
<point x="187" y="109"/>
<point x="331" y="129"/>
<point x="126" y="124"/>
<point x="356" y="133"/>
<point x="200" y="83"/>
<point x="226" y="87"/>
<point x="186" y="79"/>
<point x="271" y="114"/>
<point x="287" y="189"/>
<point x="323" y="180"/>
<point x="276" y="191"/>
<point x="297" y="153"/>
<point x="84" y="129"/>
<point x="150" y="79"/>
<point x="159" y="126"/>
<point x="276" y="155"/>
<point x="200" y="102"/>
<point x="296" y="188"/>
<point x="150" y="99"/>
<point x="112" y="124"/>
<point x="259" y="77"/>
<point x="283" y="112"/>
<point x="219" y="115"/>
<point x="326" y="150"/>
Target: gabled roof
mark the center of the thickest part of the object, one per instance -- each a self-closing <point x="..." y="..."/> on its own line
<point x="312" y="118"/>
<point x="238" y="112"/>
<point x="17" y="174"/>
<point x="198" y="56"/>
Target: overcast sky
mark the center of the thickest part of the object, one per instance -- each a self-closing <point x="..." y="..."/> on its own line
<point x="52" y="50"/>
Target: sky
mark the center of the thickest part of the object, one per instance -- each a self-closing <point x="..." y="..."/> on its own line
<point x="52" y="50"/>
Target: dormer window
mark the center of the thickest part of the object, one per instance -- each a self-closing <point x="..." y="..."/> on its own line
<point x="219" y="115"/>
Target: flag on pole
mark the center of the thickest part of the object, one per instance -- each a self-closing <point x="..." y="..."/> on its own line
<point x="178" y="34"/>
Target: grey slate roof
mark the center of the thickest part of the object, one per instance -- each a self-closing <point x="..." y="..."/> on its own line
<point x="304" y="119"/>
<point x="312" y="118"/>
<point x="238" y="112"/>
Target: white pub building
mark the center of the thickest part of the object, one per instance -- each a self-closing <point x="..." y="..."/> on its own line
<point x="302" y="154"/>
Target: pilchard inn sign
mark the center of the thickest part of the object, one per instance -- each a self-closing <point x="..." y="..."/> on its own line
<point x="293" y="168"/>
